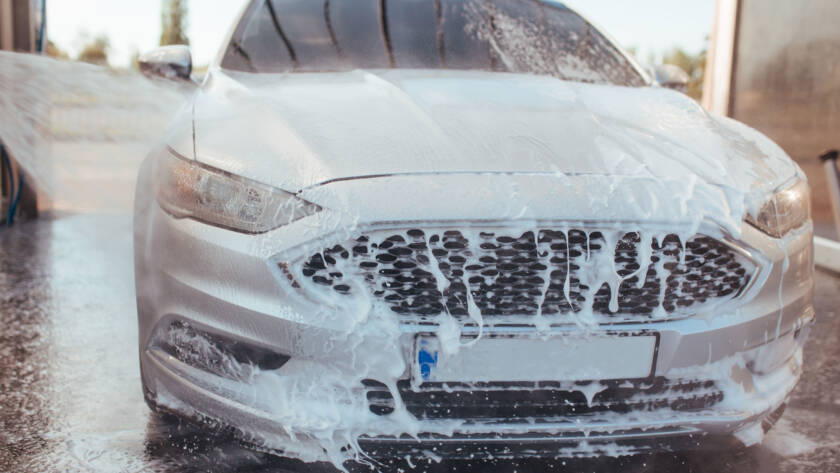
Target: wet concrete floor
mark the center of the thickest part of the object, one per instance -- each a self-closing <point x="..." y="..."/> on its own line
<point x="70" y="396"/>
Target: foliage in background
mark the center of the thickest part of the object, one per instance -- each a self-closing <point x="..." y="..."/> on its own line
<point x="693" y="64"/>
<point x="96" y="51"/>
<point x="55" y="52"/>
<point x="174" y="23"/>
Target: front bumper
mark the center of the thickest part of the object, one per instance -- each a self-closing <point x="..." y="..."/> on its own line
<point x="752" y="351"/>
<point x="178" y="389"/>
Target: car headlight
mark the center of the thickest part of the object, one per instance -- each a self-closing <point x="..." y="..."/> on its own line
<point x="788" y="209"/>
<point x="187" y="189"/>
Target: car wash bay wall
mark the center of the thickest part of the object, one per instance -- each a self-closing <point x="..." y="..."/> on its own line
<point x="20" y="26"/>
<point x="783" y="77"/>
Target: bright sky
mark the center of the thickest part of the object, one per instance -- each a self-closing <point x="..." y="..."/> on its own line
<point x="652" y="26"/>
<point x="134" y="25"/>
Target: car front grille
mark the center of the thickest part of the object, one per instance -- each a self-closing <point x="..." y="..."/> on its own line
<point x="544" y="400"/>
<point x="422" y="273"/>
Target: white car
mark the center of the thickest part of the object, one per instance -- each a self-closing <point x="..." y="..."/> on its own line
<point x="462" y="229"/>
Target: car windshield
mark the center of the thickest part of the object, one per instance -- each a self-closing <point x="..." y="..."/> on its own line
<point x="523" y="36"/>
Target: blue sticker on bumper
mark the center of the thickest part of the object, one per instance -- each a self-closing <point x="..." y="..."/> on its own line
<point x="427" y="359"/>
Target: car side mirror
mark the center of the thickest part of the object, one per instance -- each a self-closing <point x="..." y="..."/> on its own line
<point x="671" y="76"/>
<point x="168" y="62"/>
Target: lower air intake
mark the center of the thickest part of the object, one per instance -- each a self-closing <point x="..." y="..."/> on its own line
<point x="545" y="400"/>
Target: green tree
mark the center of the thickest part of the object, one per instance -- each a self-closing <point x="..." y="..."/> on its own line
<point x="96" y="51"/>
<point x="693" y="64"/>
<point x="174" y="23"/>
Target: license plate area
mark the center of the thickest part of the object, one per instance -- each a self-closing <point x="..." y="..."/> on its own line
<point x="518" y="358"/>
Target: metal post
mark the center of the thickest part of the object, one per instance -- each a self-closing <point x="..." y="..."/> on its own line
<point x="720" y="68"/>
<point x="832" y="173"/>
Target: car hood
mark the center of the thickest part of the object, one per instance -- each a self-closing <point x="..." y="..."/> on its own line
<point x="299" y="131"/>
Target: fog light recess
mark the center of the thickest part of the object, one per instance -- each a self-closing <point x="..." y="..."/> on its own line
<point x="214" y="353"/>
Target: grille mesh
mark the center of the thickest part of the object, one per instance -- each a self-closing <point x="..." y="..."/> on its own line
<point x="525" y="273"/>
